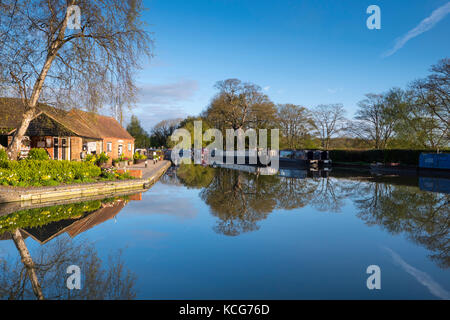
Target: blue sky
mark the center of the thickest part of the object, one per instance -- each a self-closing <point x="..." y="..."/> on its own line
<point x="303" y="52"/>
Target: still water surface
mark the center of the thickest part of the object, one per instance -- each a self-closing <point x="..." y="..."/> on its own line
<point x="204" y="233"/>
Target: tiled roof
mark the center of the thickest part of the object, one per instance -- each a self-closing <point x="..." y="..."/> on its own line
<point x="82" y="123"/>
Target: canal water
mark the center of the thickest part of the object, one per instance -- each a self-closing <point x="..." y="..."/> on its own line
<point x="215" y="233"/>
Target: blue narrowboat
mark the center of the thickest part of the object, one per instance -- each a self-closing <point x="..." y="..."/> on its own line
<point x="440" y="161"/>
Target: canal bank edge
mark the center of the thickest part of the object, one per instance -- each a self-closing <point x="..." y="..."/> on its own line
<point x="44" y="194"/>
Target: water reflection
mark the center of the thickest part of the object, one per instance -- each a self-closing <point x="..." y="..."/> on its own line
<point x="43" y="276"/>
<point x="240" y="200"/>
<point x="423" y="216"/>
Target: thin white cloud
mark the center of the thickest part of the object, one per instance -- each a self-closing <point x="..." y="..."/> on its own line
<point x="158" y="102"/>
<point x="167" y="93"/>
<point x="266" y="88"/>
<point x="422" y="277"/>
<point x="150" y="114"/>
<point x="425" y="25"/>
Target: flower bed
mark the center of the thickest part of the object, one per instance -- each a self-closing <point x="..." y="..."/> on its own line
<point x="25" y="173"/>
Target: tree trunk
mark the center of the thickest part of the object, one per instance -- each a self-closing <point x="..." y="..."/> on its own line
<point x="28" y="263"/>
<point x="14" y="148"/>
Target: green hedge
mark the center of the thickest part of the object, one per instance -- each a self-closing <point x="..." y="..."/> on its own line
<point x="405" y="157"/>
<point x="46" y="172"/>
<point x="3" y="155"/>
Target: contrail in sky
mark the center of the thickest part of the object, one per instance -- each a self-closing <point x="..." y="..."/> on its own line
<point x="425" y="25"/>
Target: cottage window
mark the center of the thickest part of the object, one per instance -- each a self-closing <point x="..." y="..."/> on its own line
<point x="109" y="147"/>
<point x="129" y="147"/>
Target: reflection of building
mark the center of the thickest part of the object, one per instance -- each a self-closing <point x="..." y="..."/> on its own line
<point x="65" y="135"/>
<point x="74" y="227"/>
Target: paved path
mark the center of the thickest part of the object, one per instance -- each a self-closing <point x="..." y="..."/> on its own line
<point x="151" y="168"/>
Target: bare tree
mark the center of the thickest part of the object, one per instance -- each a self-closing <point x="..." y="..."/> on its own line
<point x="428" y="112"/>
<point x="163" y="130"/>
<point x="376" y="120"/>
<point x="328" y="121"/>
<point x="434" y="91"/>
<point x="295" y="123"/>
<point x="43" y="60"/>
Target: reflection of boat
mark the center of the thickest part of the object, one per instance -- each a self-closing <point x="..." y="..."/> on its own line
<point x="392" y="169"/>
<point x="284" y="172"/>
<point x="267" y="171"/>
<point x="440" y="185"/>
<point x="239" y="167"/>
<point x="294" y="173"/>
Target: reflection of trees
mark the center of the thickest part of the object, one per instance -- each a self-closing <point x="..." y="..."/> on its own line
<point x="326" y="196"/>
<point x="239" y="200"/>
<point x="29" y="266"/>
<point x="195" y="176"/>
<point x="45" y="277"/>
<point x="294" y="193"/>
<point x="423" y="216"/>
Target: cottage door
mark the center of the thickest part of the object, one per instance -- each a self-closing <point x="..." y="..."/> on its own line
<point x="55" y="148"/>
<point x="120" y="150"/>
<point x="64" y="149"/>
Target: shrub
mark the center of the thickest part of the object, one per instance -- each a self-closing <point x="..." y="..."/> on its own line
<point x="46" y="172"/>
<point x="138" y="156"/>
<point x="38" y="154"/>
<point x="3" y="155"/>
<point x="98" y="160"/>
<point x="102" y="159"/>
<point x="90" y="158"/>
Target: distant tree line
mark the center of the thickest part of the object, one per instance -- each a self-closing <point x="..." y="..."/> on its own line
<point x="158" y="136"/>
<point x="416" y="117"/>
